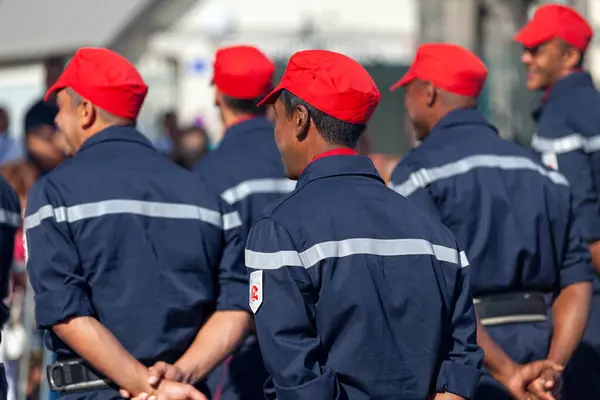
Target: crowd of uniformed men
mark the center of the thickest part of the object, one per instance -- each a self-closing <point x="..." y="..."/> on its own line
<point x="284" y="267"/>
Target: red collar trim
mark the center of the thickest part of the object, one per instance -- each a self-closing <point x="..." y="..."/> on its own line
<point x="344" y="151"/>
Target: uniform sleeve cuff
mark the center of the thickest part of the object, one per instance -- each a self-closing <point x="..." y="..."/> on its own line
<point x="589" y="228"/>
<point x="458" y="379"/>
<point x="54" y="307"/>
<point x="234" y="297"/>
<point x="324" y="387"/>
<point x="579" y="273"/>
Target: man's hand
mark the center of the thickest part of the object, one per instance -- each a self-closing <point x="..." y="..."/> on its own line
<point x="519" y="383"/>
<point x="549" y="381"/>
<point x="169" y="390"/>
<point x="159" y="372"/>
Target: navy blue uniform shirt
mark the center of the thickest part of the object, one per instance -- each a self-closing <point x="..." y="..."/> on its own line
<point x="120" y="233"/>
<point x="246" y="169"/>
<point x="512" y="216"/>
<point x="247" y="173"/>
<point x="358" y="294"/>
<point x="10" y="221"/>
<point x="568" y="140"/>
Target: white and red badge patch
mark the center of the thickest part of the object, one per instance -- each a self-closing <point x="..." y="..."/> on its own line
<point x="256" y="290"/>
<point x="550" y="160"/>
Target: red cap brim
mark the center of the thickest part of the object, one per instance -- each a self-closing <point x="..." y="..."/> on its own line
<point x="532" y="35"/>
<point x="60" y="84"/>
<point x="405" y="80"/>
<point x="271" y="97"/>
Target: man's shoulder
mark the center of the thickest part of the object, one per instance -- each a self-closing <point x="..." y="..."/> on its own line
<point x="281" y="209"/>
<point x="580" y="103"/>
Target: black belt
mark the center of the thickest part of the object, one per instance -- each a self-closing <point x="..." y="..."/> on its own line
<point x="73" y="376"/>
<point x="510" y="308"/>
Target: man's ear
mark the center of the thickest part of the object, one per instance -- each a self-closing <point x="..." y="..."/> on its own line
<point x="301" y="122"/>
<point x="431" y="94"/>
<point x="218" y="97"/>
<point x="87" y="113"/>
<point x="572" y="57"/>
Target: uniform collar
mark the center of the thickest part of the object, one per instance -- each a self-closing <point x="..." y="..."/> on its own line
<point x="344" y="151"/>
<point x="338" y="165"/>
<point x="117" y="133"/>
<point x="462" y="116"/>
<point x="569" y="83"/>
<point x="562" y="88"/>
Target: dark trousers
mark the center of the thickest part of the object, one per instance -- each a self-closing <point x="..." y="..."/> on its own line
<point x="3" y="383"/>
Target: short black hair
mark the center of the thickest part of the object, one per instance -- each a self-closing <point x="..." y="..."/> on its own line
<point x="245" y="106"/>
<point x="333" y="130"/>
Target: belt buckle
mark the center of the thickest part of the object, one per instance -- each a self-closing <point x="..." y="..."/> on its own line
<point x="50" y="369"/>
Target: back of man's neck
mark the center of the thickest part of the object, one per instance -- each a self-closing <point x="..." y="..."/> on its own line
<point x="235" y="118"/>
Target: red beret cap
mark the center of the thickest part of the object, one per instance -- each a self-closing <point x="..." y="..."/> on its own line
<point x="332" y="83"/>
<point x="449" y="67"/>
<point x="105" y="78"/>
<point x="243" y="72"/>
<point x="556" y="21"/>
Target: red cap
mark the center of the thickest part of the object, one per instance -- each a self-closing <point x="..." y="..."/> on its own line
<point x="105" y="78"/>
<point x="449" y="67"/>
<point x="555" y="21"/>
<point x="243" y="72"/>
<point x="332" y="83"/>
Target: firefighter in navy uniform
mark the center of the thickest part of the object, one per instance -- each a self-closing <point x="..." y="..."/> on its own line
<point x="129" y="254"/>
<point x="247" y="173"/>
<point x="10" y="221"/>
<point x="512" y="216"/>
<point x="357" y="294"/>
<point x="568" y="140"/>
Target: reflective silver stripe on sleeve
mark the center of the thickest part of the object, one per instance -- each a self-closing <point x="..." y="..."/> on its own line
<point x="138" y="207"/>
<point x="566" y="144"/>
<point x="255" y="186"/>
<point x="10" y="218"/>
<point x="231" y="220"/>
<point x="425" y="176"/>
<point x="349" y="247"/>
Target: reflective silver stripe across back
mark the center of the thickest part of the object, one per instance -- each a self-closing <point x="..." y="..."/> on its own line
<point x="138" y="207"/>
<point x="425" y="176"/>
<point x="254" y="186"/>
<point x="566" y="144"/>
<point x="349" y="247"/>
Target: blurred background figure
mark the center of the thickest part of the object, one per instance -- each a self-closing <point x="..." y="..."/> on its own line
<point x="10" y="149"/>
<point x="21" y="175"/>
<point x="43" y="148"/>
<point x="192" y="145"/>
<point x="170" y="133"/>
<point x="43" y="112"/>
